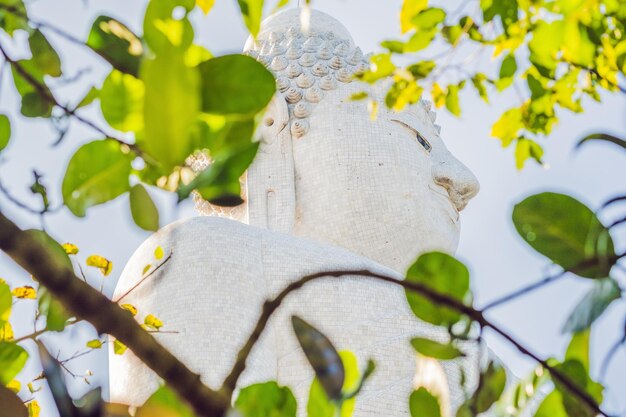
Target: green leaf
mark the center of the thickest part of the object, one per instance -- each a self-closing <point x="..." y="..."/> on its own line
<point x="421" y="69"/>
<point x="410" y="8"/>
<point x="578" y="348"/>
<point x="566" y="231"/>
<point x="165" y="33"/>
<point x="252" y="12"/>
<point x="116" y="43"/>
<point x="577" y="47"/>
<point x="145" y="213"/>
<point x="235" y="84"/>
<point x="164" y="402"/>
<point x="526" y="149"/>
<point x="551" y="406"/>
<point x="5" y="131"/>
<point x="266" y="400"/>
<point x="452" y="33"/>
<point x="478" y="81"/>
<point x="506" y="10"/>
<point x="435" y="350"/>
<point x="444" y="274"/>
<point x="89" y="98"/>
<point x="121" y="101"/>
<point x="12" y="405"/>
<point x="545" y="44"/>
<point x="6" y="301"/>
<point x="602" y="137"/>
<point x="320" y="406"/>
<point x="452" y="100"/>
<point x="423" y="404"/>
<point x="36" y="96"/>
<point x="592" y="305"/>
<point x="508" y="126"/>
<point x="56" y="315"/>
<point x="219" y="182"/>
<point x="98" y="172"/>
<point x="507" y="72"/>
<point x="381" y="67"/>
<point x="16" y="19"/>
<point x="490" y="388"/>
<point x="575" y="371"/>
<point x="12" y="359"/>
<point x="322" y="356"/>
<point x="44" y="55"/>
<point x="171" y="106"/>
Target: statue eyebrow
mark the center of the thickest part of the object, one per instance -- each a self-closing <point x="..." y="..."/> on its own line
<point x="421" y="139"/>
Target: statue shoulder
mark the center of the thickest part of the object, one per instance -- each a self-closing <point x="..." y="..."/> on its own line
<point x="201" y="242"/>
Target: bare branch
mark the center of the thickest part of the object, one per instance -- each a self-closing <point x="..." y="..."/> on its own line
<point x="148" y="275"/>
<point x="88" y="304"/>
<point x="270" y="306"/>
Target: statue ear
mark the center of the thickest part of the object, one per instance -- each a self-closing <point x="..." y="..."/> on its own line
<point x="275" y="119"/>
<point x="271" y="177"/>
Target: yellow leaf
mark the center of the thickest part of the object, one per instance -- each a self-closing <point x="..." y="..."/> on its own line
<point x="153" y="322"/>
<point x="32" y="389"/>
<point x="103" y="264"/>
<point x="70" y="248"/>
<point x="15" y="386"/>
<point x="119" y="348"/>
<point x="372" y="107"/>
<point x="94" y="344"/>
<point x="146" y="269"/>
<point x="158" y="252"/>
<point x="131" y="308"/>
<point x="439" y="96"/>
<point x="6" y="332"/>
<point x="205" y="5"/>
<point x="410" y="8"/>
<point x="33" y="409"/>
<point x="25" y="292"/>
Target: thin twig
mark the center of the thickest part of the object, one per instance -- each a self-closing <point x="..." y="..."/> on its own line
<point x="617" y="222"/>
<point x="525" y="290"/>
<point x="270" y="306"/>
<point x="17" y="202"/>
<point x="144" y="278"/>
<point x="45" y="93"/>
<point x="609" y="357"/>
<point x="39" y="24"/>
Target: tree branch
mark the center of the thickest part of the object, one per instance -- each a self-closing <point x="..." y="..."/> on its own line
<point x="525" y="290"/>
<point x="88" y="304"/>
<point x="43" y="91"/>
<point x="270" y="306"/>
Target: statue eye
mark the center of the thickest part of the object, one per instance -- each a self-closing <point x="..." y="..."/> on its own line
<point x="420" y="139"/>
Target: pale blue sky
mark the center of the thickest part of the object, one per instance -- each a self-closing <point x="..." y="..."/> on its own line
<point x="500" y="262"/>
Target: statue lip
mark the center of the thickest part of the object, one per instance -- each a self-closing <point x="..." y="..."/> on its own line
<point x="442" y="193"/>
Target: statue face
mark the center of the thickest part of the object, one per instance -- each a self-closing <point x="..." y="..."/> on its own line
<point x="388" y="189"/>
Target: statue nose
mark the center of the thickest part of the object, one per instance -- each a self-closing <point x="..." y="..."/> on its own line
<point x="460" y="183"/>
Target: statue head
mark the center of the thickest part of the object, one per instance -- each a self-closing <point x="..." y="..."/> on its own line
<point x="386" y="188"/>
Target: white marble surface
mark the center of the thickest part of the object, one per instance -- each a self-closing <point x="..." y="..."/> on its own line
<point x="348" y="192"/>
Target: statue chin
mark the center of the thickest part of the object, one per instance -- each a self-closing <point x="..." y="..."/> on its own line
<point x="330" y="189"/>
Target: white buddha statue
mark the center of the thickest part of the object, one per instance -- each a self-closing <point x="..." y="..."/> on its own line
<point x="330" y="189"/>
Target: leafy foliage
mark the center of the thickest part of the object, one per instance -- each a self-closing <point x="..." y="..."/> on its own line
<point x="566" y="231"/>
<point x="172" y="99"/>
<point x="444" y="274"/>
<point x="266" y="400"/>
<point x="572" y="50"/>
